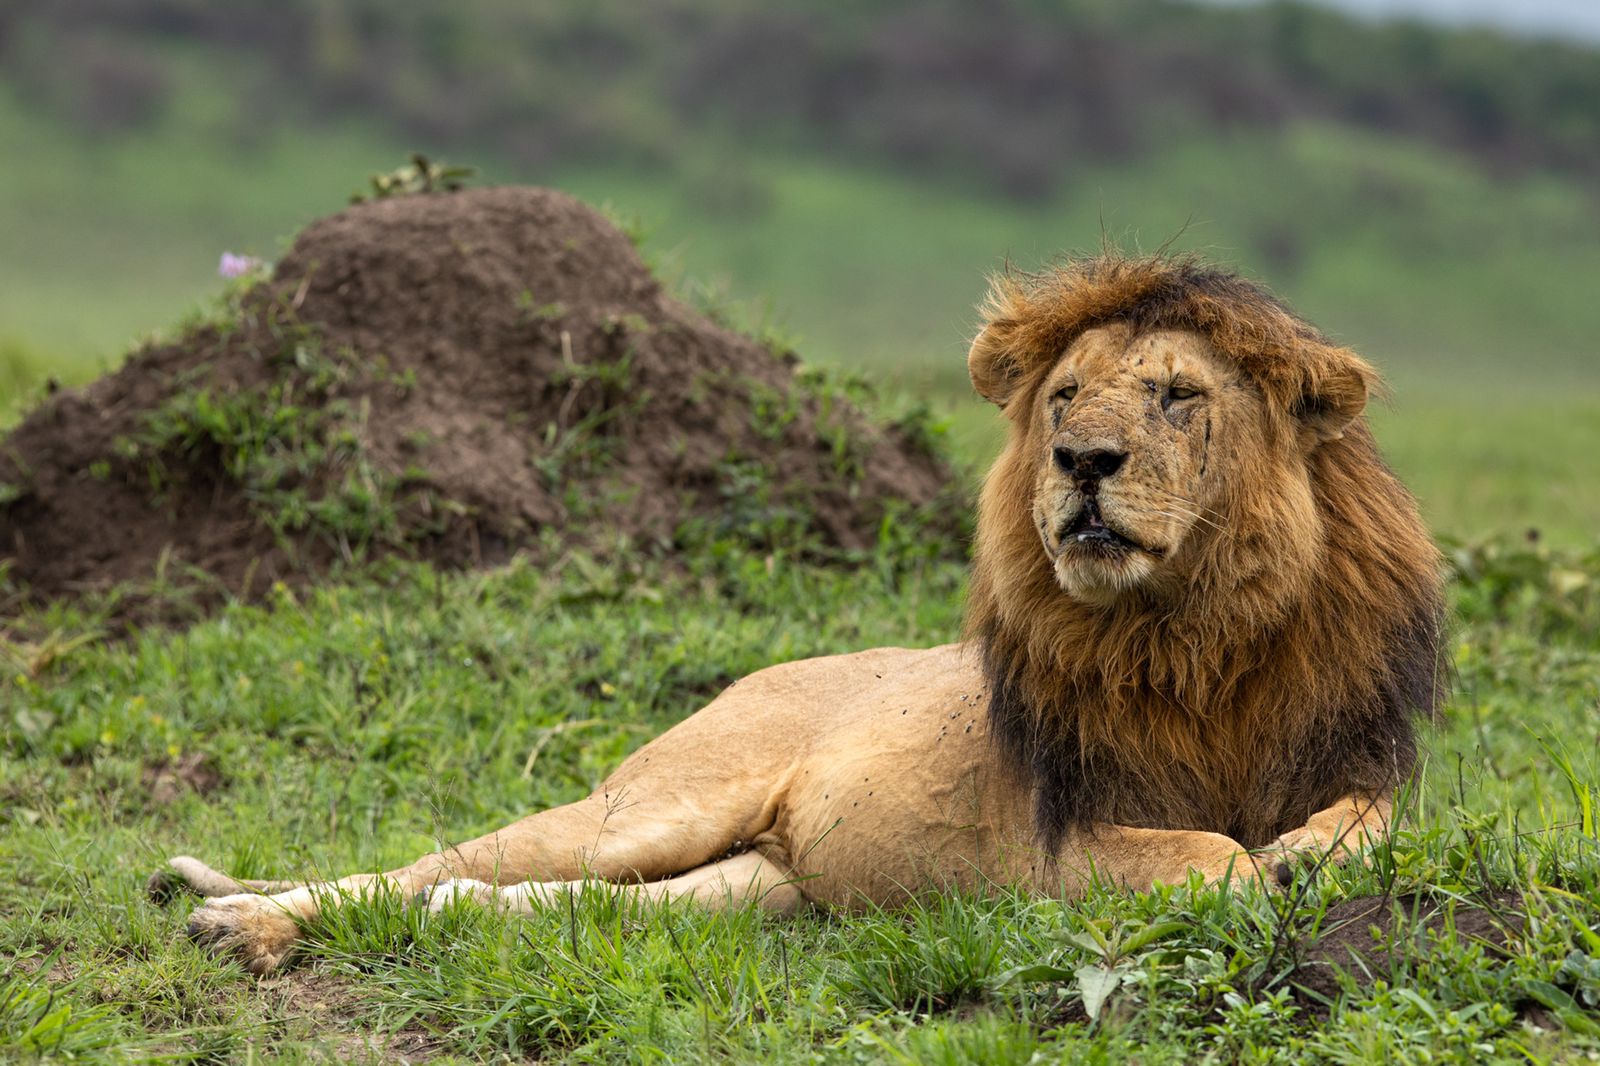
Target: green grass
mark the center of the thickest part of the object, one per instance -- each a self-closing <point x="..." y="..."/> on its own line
<point x="357" y="725"/>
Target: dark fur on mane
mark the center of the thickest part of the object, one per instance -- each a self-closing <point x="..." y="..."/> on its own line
<point x="1257" y="701"/>
<point x="1366" y="749"/>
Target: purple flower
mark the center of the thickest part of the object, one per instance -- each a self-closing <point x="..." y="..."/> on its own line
<point x="237" y="266"/>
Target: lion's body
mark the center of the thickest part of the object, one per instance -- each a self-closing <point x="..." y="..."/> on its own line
<point x="884" y="783"/>
<point x="1202" y="619"/>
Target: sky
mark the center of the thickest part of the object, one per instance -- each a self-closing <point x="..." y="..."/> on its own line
<point x="1573" y="19"/>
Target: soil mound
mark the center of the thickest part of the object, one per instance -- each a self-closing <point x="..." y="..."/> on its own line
<point x="454" y="377"/>
<point x="1372" y="938"/>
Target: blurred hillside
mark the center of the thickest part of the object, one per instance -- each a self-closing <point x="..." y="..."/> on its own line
<point x="1427" y="194"/>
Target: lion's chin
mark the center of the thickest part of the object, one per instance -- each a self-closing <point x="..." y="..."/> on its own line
<point x="1102" y="577"/>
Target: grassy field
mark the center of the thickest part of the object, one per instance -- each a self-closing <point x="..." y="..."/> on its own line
<point x="357" y="725"/>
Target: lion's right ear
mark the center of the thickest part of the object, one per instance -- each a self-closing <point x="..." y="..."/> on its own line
<point x="995" y="370"/>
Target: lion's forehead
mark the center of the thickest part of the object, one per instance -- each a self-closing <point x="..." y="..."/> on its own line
<point x="1115" y="351"/>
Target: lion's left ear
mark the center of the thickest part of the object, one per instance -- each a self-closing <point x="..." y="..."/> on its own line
<point x="1332" y="396"/>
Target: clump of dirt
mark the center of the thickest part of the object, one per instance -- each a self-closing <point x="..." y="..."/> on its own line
<point x="336" y="1011"/>
<point x="1369" y="938"/>
<point x="168" y="779"/>
<point x="451" y="377"/>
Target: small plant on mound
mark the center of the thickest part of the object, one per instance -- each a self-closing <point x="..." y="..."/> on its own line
<point x="418" y="176"/>
<point x="287" y="459"/>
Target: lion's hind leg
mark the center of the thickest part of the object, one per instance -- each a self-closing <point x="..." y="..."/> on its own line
<point x="602" y="836"/>
<point x="749" y="878"/>
<point x="184" y="873"/>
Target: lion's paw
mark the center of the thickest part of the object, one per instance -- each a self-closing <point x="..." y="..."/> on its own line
<point x="257" y="930"/>
<point x="1261" y="869"/>
<point x="1307" y="849"/>
<point x="1304" y="852"/>
<point x="1301" y="842"/>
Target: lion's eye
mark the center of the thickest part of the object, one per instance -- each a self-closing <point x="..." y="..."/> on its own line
<point x="1066" y="392"/>
<point x="1181" y="392"/>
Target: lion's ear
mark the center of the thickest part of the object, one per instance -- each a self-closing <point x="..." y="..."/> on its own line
<point x="1331" y="398"/>
<point x="995" y="371"/>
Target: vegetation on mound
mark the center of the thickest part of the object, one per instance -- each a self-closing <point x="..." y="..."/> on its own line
<point x="456" y="377"/>
<point x="352" y="727"/>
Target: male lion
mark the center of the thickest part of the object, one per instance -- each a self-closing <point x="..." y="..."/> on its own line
<point x="1203" y="618"/>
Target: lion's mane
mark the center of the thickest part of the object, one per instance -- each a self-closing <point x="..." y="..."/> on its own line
<point x="1292" y="671"/>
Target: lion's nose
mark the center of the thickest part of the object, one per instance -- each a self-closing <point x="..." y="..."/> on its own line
<point x="1089" y="464"/>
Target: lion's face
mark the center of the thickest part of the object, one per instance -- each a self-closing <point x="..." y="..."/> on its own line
<point x="1131" y="438"/>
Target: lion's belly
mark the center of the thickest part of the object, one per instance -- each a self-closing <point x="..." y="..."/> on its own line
<point x="904" y="793"/>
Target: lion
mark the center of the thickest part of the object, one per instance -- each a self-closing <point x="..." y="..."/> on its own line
<point x="1203" y="624"/>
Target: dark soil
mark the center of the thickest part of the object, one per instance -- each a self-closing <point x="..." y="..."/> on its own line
<point x="452" y="377"/>
<point x="1370" y="938"/>
<point x="336" y="1012"/>
<point x="166" y="780"/>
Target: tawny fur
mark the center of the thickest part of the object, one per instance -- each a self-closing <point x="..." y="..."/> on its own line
<point x="1243" y="669"/>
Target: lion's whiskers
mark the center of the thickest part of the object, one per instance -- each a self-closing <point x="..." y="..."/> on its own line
<point x="1185" y="508"/>
<point x="1196" y="516"/>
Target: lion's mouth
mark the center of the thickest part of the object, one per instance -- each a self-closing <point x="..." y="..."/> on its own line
<point x="1091" y="532"/>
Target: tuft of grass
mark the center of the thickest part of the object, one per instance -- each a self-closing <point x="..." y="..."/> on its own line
<point x="293" y="443"/>
<point x="41" y="1019"/>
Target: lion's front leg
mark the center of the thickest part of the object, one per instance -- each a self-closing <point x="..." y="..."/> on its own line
<point x="1338" y="832"/>
<point x="1141" y="858"/>
<point x="747" y="878"/>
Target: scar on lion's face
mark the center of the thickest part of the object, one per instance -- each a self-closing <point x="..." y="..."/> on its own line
<point x="1131" y="433"/>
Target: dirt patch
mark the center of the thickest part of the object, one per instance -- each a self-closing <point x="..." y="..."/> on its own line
<point x="451" y="377"/>
<point x="334" y="1008"/>
<point x="167" y="779"/>
<point x="1369" y="938"/>
<point x="60" y="970"/>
